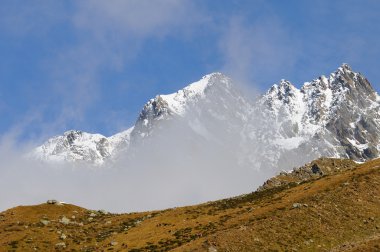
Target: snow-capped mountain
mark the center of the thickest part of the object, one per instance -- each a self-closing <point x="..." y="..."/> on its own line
<point x="214" y="96"/>
<point x="341" y="112"/>
<point x="164" y="107"/>
<point x="78" y="146"/>
<point x="96" y="149"/>
<point x="335" y="116"/>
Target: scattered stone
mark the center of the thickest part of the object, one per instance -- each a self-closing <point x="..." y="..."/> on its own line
<point x="90" y="219"/>
<point x="305" y="205"/>
<point x="73" y="217"/>
<point x="92" y="214"/>
<point x="108" y="222"/>
<point x="113" y="243"/>
<point x="308" y="172"/>
<point x="297" y="205"/>
<point x="52" y="202"/>
<point x="212" y="249"/>
<point x="45" y="222"/>
<point x="102" y="212"/>
<point x="309" y="242"/>
<point x="243" y="228"/>
<point x="60" y="245"/>
<point x="316" y="170"/>
<point x="63" y="237"/>
<point x="64" y="220"/>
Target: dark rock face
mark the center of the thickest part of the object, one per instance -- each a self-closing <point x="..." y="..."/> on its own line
<point x="355" y="121"/>
<point x="316" y="170"/>
<point x="154" y="110"/>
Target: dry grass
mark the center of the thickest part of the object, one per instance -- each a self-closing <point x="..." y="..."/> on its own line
<point x="340" y="212"/>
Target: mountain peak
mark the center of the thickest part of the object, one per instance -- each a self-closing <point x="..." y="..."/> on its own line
<point x="71" y="135"/>
<point x="345" y="66"/>
<point x="344" y="70"/>
<point x="206" y="81"/>
<point x="286" y="84"/>
<point x="176" y="102"/>
<point x="282" y="90"/>
<point x="345" y="78"/>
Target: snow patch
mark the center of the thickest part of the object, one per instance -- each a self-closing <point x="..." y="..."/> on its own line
<point x="359" y="146"/>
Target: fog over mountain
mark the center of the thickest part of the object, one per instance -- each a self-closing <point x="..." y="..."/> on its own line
<point x="206" y="141"/>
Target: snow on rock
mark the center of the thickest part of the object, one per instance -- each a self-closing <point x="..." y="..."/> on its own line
<point x="336" y="116"/>
<point x="164" y="107"/>
<point x="341" y="112"/>
<point x="80" y="146"/>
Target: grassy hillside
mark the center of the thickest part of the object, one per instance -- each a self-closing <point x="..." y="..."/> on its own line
<point x="337" y="211"/>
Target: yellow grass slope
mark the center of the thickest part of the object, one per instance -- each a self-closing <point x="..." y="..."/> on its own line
<point x="339" y="212"/>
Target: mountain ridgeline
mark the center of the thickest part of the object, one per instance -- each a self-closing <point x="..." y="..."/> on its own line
<point x="335" y="116"/>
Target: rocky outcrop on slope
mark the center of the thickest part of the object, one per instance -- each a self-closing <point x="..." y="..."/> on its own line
<point x="310" y="171"/>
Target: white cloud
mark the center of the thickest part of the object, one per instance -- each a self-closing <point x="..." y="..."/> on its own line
<point x="37" y="18"/>
<point x="135" y="18"/>
<point x="262" y="48"/>
<point x="175" y="166"/>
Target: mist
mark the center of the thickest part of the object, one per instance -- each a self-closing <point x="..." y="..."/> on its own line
<point x="222" y="147"/>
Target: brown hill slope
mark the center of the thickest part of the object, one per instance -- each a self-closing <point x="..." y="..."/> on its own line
<point x="339" y="212"/>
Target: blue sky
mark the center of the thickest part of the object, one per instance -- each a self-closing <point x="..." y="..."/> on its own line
<point x="91" y="65"/>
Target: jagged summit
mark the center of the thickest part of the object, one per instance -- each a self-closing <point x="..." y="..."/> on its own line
<point x="284" y="92"/>
<point x="345" y="66"/>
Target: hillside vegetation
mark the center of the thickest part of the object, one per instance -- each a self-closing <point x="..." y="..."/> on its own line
<point x="336" y="208"/>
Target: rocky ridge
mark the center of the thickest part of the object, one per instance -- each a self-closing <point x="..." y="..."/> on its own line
<point x="336" y="116"/>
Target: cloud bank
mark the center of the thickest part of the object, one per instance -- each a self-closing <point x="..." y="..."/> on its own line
<point x="220" y="148"/>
